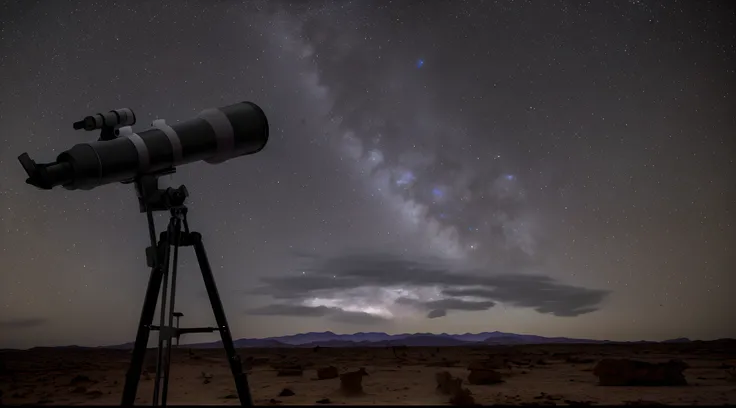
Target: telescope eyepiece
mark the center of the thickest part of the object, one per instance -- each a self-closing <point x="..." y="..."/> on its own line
<point x="46" y="176"/>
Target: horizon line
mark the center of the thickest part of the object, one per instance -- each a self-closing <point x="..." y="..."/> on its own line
<point x="275" y="338"/>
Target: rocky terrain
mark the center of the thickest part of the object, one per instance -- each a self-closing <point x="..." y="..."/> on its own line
<point x="677" y="373"/>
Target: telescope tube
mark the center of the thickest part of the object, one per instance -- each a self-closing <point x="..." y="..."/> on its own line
<point x="215" y="135"/>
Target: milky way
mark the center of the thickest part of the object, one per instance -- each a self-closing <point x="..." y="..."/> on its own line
<point x="470" y="211"/>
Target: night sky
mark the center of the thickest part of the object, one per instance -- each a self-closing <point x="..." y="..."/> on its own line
<point x="558" y="168"/>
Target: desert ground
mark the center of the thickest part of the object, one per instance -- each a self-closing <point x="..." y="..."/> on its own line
<point x="530" y="374"/>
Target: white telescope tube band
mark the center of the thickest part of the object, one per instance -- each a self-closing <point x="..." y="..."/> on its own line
<point x="144" y="159"/>
<point x="224" y="133"/>
<point x="170" y="133"/>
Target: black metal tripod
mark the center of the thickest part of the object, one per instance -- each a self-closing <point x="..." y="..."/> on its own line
<point x="158" y="255"/>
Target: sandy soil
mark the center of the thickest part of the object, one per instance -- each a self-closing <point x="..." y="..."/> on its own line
<point x="556" y="375"/>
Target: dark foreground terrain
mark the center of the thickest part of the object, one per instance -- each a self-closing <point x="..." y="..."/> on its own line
<point x="538" y="374"/>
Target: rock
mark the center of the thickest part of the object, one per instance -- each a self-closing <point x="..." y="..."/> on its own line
<point x="327" y="373"/>
<point x="447" y="384"/>
<point x="80" y="389"/>
<point x="618" y="372"/>
<point x="553" y="397"/>
<point x="274" y="401"/>
<point x="290" y="372"/>
<point x="93" y="393"/>
<point x="462" y="397"/>
<point x="230" y="396"/>
<point x="484" y="377"/>
<point x="643" y="402"/>
<point x="286" y="393"/>
<point x="324" y="401"/>
<point x="352" y="382"/>
<point x="80" y="379"/>
<point x="578" y="403"/>
<point x="207" y="378"/>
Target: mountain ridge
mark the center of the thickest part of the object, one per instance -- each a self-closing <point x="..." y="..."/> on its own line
<point x="381" y="339"/>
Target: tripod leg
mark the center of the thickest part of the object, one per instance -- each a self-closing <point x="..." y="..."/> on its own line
<point x="133" y="376"/>
<point x="161" y="352"/>
<point x="241" y="380"/>
<point x="176" y="240"/>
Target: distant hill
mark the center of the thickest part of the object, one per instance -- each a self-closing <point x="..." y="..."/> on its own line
<point x="678" y="340"/>
<point x="380" y="339"/>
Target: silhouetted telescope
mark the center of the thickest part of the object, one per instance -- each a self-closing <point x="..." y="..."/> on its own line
<point x="121" y="155"/>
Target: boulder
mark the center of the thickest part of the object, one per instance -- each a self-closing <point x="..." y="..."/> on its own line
<point x="484" y="373"/>
<point x="351" y="383"/>
<point x="447" y="384"/>
<point x="619" y="372"/>
<point x="452" y="386"/>
<point x="462" y="397"/>
<point x="93" y="393"/>
<point x="327" y="373"/>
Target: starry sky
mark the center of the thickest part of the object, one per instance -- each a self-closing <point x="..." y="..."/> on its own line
<point x="561" y="168"/>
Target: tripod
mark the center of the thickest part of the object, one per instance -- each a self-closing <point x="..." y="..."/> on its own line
<point x="177" y="234"/>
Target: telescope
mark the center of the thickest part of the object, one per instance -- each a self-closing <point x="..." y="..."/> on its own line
<point x="121" y="155"/>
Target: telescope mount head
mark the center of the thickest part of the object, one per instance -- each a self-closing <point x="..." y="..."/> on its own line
<point x="153" y="198"/>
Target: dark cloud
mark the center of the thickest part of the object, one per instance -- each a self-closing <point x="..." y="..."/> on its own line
<point x="433" y="314"/>
<point x="324" y="277"/>
<point x="459" y="304"/>
<point x="12" y="324"/>
<point x="333" y="313"/>
<point x="448" y="304"/>
<point x="545" y="296"/>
